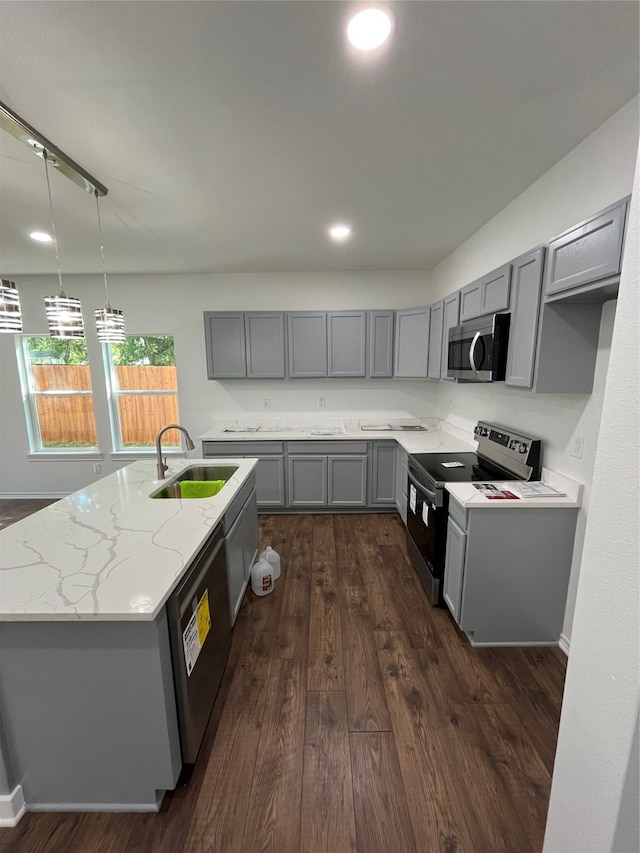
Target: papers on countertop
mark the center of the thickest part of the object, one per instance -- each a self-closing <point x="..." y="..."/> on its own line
<point x="495" y="493"/>
<point x="534" y="489"/>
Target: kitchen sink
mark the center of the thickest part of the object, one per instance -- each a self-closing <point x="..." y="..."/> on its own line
<point x="195" y="472"/>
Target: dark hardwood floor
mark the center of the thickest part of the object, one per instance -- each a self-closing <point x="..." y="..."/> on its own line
<point x="353" y="716"/>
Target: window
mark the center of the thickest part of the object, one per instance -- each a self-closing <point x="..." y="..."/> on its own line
<point x="143" y="391"/>
<point x="56" y="385"/>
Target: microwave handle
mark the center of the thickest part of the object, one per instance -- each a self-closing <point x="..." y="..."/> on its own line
<point x="472" y="352"/>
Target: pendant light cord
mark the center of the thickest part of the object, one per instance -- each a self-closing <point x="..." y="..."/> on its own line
<point x="104" y="266"/>
<point x="45" y="157"/>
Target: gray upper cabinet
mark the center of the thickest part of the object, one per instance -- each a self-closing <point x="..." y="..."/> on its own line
<point x="588" y="252"/>
<point x="412" y="343"/>
<point x="471" y="301"/>
<point x="307" y="344"/>
<point x="436" y="325"/>
<point x="487" y="295"/>
<point x="451" y="318"/>
<point x="381" y="343"/>
<point x="265" y="345"/>
<point x="526" y="284"/>
<point x="346" y="343"/>
<point x="224" y="338"/>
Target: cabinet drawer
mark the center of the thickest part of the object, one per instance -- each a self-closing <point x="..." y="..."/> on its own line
<point x="327" y="447"/>
<point x="241" y="448"/>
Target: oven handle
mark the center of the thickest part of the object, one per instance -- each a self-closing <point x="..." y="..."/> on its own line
<point x="421" y="487"/>
<point x="472" y="352"/>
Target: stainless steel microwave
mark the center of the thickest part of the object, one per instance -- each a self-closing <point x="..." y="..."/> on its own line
<point x="478" y="349"/>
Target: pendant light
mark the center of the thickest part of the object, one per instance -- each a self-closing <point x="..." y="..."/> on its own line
<point x="10" y="313"/>
<point x="64" y="313"/>
<point x="109" y="321"/>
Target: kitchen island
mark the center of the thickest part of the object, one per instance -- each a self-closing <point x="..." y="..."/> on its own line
<point x="87" y="690"/>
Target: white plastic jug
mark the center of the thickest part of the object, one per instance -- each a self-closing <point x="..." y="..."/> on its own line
<point x="262" y="577"/>
<point x="272" y="557"/>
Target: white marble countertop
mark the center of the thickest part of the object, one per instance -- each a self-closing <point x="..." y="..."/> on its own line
<point x="438" y="437"/>
<point x="469" y="497"/>
<point x="109" y="551"/>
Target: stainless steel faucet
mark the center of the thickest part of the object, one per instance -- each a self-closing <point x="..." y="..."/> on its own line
<point x="162" y="464"/>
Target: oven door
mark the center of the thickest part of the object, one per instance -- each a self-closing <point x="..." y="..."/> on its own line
<point x="426" y="535"/>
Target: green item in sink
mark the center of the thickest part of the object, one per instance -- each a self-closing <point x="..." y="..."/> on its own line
<point x="200" y="488"/>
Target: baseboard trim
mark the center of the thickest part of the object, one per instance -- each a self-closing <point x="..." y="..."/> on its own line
<point x="97" y="807"/>
<point x="565" y="644"/>
<point x="12" y="807"/>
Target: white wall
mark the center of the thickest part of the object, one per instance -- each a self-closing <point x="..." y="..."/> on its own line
<point x="594" y="794"/>
<point x="174" y="305"/>
<point x="595" y="174"/>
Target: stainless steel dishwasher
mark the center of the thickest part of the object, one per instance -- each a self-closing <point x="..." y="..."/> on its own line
<point x="200" y="631"/>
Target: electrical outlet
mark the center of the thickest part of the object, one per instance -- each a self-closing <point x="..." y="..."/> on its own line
<point x="577" y="448"/>
<point x="321" y="402"/>
<point x="97" y="468"/>
<point x="266" y="404"/>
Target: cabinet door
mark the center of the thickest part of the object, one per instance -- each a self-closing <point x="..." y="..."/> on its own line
<point x="270" y="481"/>
<point x="451" y="318"/>
<point x="496" y="290"/>
<point x="454" y="568"/>
<point x="347" y="334"/>
<point x="523" y="332"/>
<point x="347" y="480"/>
<point x="225" y="345"/>
<point x="236" y="569"/>
<point x="400" y="476"/>
<point x="250" y="533"/>
<point x="381" y="343"/>
<point x="265" y="345"/>
<point x="412" y="343"/>
<point x="307" y="480"/>
<point x="436" y="323"/>
<point x="588" y="252"/>
<point x="382" y="477"/>
<point x="307" y="344"/>
<point x="471" y="301"/>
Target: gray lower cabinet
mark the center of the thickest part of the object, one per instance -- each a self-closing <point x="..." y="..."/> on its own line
<point x="401" y="465"/>
<point x="451" y="318"/>
<point x="270" y="476"/>
<point x="307" y="344"/>
<point x="381" y="343"/>
<point x="507" y="572"/>
<point x="382" y="473"/>
<point x="347" y="481"/>
<point x="412" y="343"/>
<point x="307" y="480"/>
<point x="436" y="326"/>
<point x="523" y="332"/>
<point x="241" y="544"/>
<point x="265" y="345"/>
<point x="487" y="295"/>
<point x="346" y="343"/>
<point x="224" y="337"/>
<point x="588" y="252"/>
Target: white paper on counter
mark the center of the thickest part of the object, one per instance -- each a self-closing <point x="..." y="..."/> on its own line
<point x="425" y="513"/>
<point x="412" y="498"/>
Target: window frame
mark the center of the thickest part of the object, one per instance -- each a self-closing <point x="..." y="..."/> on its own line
<point x="118" y="449"/>
<point x="29" y="395"/>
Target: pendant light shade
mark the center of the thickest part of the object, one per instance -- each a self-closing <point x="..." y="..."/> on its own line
<point x="64" y="316"/>
<point x="10" y="313"/>
<point x="109" y="321"/>
<point x="110" y="325"/>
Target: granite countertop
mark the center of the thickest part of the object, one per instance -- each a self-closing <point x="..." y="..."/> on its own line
<point x="469" y="497"/>
<point x="108" y="552"/>
<point x="437" y="437"/>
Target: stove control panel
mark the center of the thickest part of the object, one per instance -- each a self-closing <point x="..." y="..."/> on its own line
<point x="508" y="449"/>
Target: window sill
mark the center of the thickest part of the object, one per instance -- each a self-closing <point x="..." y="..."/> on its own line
<point x="65" y="455"/>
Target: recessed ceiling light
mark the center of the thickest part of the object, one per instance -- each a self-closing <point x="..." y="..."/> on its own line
<point x="340" y="232"/>
<point x="41" y="237"/>
<point x="369" y="29"/>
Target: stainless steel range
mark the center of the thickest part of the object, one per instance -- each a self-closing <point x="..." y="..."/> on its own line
<point x="502" y="454"/>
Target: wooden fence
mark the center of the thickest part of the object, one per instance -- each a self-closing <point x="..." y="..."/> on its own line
<point x="70" y="420"/>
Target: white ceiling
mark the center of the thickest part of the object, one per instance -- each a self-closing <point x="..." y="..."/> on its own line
<point x="230" y="134"/>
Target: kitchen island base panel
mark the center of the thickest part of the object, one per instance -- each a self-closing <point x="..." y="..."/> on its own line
<point x="89" y="712"/>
